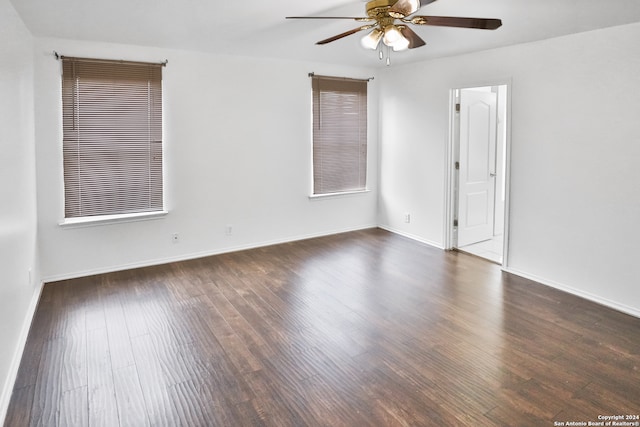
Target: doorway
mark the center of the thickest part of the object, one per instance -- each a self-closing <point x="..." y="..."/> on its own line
<point x="479" y="175"/>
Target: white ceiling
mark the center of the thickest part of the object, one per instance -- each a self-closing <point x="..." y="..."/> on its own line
<point x="259" y="28"/>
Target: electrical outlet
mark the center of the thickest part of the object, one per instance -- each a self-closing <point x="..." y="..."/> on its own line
<point x="407" y="218"/>
<point x="228" y="230"/>
<point x="175" y="238"/>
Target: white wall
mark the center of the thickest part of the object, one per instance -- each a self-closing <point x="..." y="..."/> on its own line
<point x="238" y="152"/>
<point x="17" y="195"/>
<point x="575" y="141"/>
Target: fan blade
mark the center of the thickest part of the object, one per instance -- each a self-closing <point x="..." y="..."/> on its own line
<point x="425" y="2"/>
<point x="404" y="8"/>
<point x="414" y="39"/>
<point x="451" y="21"/>
<point x="345" y="34"/>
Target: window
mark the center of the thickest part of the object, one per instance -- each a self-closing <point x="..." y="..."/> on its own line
<point x="112" y="137"/>
<point x="339" y="135"/>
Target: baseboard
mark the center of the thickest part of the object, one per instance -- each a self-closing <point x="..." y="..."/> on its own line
<point x="412" y="236"/>
<point x="7" y="388"/>
<point x="543" y="281"/>
<point x="196" y="255"/>
<point x="577" y="292"/>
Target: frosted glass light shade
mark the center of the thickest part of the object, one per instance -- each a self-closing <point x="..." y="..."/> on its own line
<point x="401" y="44"/>
<point x="371" y="40"/>
<point x="391" y="35"/>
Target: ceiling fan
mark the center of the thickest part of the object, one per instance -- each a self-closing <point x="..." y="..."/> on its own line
<point x="389" y="21"/>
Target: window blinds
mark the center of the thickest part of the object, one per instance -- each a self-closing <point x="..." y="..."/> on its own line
<point x="339" y="134"/>
<point x="112" y="137"/>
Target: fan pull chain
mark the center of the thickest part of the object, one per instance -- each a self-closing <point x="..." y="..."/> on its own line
<point x="381" y="54"/>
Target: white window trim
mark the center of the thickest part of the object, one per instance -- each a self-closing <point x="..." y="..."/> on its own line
<point x="342" y="193"/>
<point x="92" y="221"/>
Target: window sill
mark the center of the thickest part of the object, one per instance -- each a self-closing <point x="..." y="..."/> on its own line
<point x="332" y="195"/>
<point x="90" y="221"/>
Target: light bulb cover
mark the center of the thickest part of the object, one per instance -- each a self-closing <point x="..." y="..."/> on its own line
<point x="391" y="35"/>
<point x="371" y="40"/>
<point x="401" y="44"/>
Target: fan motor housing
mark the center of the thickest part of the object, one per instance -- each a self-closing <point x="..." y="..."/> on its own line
<point x="378" y="8"/>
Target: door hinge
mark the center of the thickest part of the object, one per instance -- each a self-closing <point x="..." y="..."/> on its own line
<point x="455" y="222"/>
<point x="457" y="166"/>
<point x="457" y="107"/>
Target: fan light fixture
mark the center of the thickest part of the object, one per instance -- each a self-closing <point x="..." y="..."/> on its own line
<point x="391" y="37"/>
<point x="383" y="17"/>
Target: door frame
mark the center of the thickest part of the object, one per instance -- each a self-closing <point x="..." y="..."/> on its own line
<point x="450" y="170"/>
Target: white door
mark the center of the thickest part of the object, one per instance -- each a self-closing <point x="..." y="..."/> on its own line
<point x="477" y="166"/>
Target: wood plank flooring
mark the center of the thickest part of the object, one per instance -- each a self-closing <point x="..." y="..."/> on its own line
<point x="358" y="329"/>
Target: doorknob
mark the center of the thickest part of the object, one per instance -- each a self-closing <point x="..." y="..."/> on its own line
<point x="492" y="174"/>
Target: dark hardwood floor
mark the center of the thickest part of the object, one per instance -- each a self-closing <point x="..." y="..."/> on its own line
<point x="359" y="329"/>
